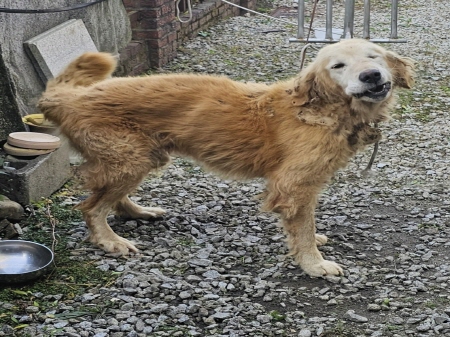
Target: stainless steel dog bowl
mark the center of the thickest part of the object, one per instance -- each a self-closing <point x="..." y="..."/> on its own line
<point x="22" y="261"/>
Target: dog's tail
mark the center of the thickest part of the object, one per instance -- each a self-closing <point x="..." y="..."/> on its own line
<point x="84" y="71"/>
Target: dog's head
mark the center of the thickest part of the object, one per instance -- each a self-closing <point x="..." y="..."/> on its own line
<point x="355" y="69"/>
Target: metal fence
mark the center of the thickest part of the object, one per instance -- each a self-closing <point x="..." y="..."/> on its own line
<point x="328" y="34"/>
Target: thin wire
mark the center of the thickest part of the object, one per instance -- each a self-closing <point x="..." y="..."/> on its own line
<point x="49" y="10"/>
<point x="268" y="16"/>
<point x="255" y="12"/>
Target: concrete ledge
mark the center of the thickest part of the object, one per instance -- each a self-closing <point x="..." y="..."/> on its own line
<point x="33" y="179"/>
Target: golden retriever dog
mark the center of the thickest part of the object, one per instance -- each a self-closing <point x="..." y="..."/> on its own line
<point x="295" y="134"/>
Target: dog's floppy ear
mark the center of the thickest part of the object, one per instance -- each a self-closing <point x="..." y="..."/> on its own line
<point x="402" y="69"/>
<point x="315" y="85"/>
<point x="303" y="92"/>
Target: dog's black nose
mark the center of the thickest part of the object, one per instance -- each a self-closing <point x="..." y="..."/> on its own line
<point x="370" y="76"/>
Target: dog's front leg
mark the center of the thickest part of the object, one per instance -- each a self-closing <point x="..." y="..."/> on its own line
<point x="302" y="242"/>
<point x="297" y="214"/>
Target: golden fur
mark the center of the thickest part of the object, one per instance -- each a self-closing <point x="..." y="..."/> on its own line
<point x="294" y="133"/>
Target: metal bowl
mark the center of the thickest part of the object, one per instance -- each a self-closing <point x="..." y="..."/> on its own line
<point x="22" y="261"/>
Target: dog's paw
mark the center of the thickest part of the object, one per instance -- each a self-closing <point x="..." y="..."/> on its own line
<point x="151" y="212"/>
<point x="323" y="268"/>
<point x="139" y="212"/>
<point x="116" y="245"/>
<point x="321" y="239"/>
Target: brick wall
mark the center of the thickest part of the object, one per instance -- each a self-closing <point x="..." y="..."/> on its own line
<point x="156" y="32"/>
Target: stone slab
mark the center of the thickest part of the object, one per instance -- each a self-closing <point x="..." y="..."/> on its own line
<point x="28" y="180"/>
<point x="54" y="49"/>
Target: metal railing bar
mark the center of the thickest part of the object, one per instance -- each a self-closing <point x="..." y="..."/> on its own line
<point x="394" y="17"/>
<point x="366" y="29"/>
<point x="349" y="18"/>
<point x="301" y="19"/>
<point x="329" y="20"/>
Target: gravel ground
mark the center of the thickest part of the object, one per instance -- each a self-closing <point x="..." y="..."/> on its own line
<point x="216" y="266"/>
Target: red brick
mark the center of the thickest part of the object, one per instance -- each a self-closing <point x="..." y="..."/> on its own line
<point x="156" y="53"/>
<point x="134" y="16"/>
<point x="155" y="23"/>
<point x="131" y="4"/>
<point x="168" y="8"/>
<point x="125" y="53"/>
<point x="160" y="43"/>
<point x="195" y="25"/>
<point x="171" y="37"/>
<point x="147" y="34"/>
<point x="150" y="13"/>
<point x="152" y="3"/>
<point x="139" y="69"/>
<point x="135" y="47"/>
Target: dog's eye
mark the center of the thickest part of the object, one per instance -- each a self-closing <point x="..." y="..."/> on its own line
<point x="338" y="66"/>
<point x="373" y="56"/>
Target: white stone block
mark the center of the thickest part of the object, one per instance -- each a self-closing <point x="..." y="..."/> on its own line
<point x="54" y="49"/>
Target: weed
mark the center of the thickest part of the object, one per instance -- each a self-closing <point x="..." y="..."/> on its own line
<point x="430" y="304"/>
<point x="186" y="241"/>
<point x="340" y="331"/>
<point x="429" y="226"/>
<point x="277" y="316"/>
<point x="68" y="278"/>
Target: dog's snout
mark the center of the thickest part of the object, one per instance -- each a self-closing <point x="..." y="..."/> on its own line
<point x="370" y="76"/>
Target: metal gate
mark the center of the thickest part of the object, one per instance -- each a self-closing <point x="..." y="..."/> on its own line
<point x="328" y="34"/>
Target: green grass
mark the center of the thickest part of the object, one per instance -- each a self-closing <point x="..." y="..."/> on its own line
<point x="68" y="278"/>
<point x="409" y="107"/>
<point x="277" y="316"/>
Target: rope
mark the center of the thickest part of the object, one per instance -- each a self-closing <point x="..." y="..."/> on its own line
<point x="372" y="158"/>
<point x="189" y="11"/>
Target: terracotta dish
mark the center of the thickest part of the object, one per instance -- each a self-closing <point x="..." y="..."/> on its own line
<point x="21" y="152"/>
<point x="34" y="140"/>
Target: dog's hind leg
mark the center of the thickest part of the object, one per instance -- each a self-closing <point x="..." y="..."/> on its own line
<point x="95" y="210"/>
<point x="97" y="207"/>
<point x="128" y="209"/>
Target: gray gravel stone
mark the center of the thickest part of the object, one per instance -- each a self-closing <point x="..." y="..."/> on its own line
<point x="350" y="315"/>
